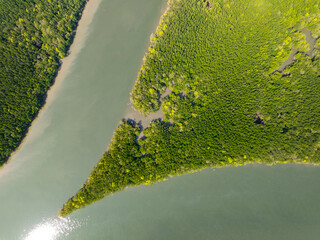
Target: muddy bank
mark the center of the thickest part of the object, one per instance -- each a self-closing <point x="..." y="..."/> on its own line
<point x="145" y="121"/>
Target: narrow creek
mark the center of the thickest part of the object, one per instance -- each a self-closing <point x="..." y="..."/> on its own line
<point x="290" y="60"/>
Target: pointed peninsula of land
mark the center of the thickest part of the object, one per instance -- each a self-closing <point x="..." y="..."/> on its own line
<point x="215" y="70"/>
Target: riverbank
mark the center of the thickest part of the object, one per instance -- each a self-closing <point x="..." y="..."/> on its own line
<point x="80" y="37"/>
<point x="132" y="113"/>
<point x="223" y="116"/>
<point x="81" y="119"/>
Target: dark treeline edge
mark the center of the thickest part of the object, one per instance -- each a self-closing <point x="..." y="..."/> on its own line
<point x="34" y="36"/>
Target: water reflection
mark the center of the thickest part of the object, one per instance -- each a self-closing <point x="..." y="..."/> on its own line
<point x="51" y="229"/>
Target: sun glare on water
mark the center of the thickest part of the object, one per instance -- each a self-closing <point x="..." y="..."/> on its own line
<point x="51" y="229"/>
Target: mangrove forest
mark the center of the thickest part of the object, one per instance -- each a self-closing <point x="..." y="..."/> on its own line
<point x="244" y="85"/>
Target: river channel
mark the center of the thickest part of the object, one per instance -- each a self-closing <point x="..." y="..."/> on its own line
<point x="75" y="127"/>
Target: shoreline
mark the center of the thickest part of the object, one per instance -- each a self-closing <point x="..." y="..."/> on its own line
<point x="114" y="172"/>
<point x="131" y="112"/>
<point x="80" y="37"/>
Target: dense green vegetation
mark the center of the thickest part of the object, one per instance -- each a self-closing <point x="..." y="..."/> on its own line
<point x="34" y="36"/>
<point x="118" y="166"/>
<point x="228" y="105"/>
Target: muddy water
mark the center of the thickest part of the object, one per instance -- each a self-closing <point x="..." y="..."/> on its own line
<point x="72" y="132"/>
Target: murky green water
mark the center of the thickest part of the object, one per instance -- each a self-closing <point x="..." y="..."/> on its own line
<point x="252" y="202"/>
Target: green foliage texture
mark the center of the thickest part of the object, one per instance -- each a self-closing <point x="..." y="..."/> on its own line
<point x="34" y="36"/>
<point x="227" y="104"/>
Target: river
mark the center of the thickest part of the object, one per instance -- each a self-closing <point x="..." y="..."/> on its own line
<point x="72" y="131"/>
